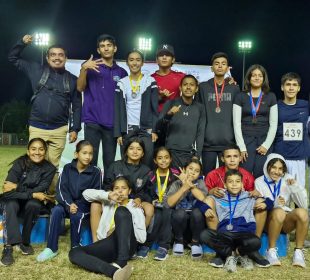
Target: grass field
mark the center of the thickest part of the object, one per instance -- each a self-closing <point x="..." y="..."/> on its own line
<point x="26" y="267"/>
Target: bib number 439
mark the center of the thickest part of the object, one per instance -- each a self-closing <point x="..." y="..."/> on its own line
<point x="292" y="131"/>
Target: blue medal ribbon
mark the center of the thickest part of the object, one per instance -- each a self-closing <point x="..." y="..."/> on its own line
<point x="276" y="188"/>
<point x="231" y="213"/>
<point x="255" y="107"/>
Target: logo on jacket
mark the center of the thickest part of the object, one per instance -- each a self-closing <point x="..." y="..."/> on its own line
<point x="139" y="183"/>
<point x="116" y="78"/>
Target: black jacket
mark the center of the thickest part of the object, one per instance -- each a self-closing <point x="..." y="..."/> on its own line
<point x="29" y="178"/>
<point x="185" y="129"/>
<point x="219" y="132"/>
<point x="51" y="107"/>
<point x="137" y="175"/>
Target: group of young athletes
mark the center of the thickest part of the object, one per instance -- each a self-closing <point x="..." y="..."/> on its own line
<point x="166" y="189"/>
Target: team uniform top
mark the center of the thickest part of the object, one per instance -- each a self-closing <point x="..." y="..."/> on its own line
<point x="98" y="106"/>
<point x="171" y="82"/>
<point x="219" y="131"/>
<point x="215" y="178"/>
<point x="292" y="140"/>
<point x="136" y="173"/>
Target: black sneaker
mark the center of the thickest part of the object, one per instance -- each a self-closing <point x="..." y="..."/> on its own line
<point x="259" y="260"/>
<point x="25" y="249"/>
<point x="216" y="262"/>
<point x="7" y="256"/>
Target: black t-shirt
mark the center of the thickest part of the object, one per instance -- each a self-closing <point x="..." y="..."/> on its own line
<point x="261" y="127"/>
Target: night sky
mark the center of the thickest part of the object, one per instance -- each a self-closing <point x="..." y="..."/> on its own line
<point x="197" y="29"/>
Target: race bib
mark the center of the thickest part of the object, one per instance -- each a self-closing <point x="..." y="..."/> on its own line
<point x="292" y="131"/>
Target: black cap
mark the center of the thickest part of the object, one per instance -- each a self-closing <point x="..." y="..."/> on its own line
<point x="165" y="49"/>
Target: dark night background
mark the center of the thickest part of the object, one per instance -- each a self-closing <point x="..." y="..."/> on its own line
<point x="279" y="31"/>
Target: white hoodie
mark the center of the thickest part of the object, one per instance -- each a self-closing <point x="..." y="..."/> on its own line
<point x="108" y="210"/>
<point x="295" y="192"/>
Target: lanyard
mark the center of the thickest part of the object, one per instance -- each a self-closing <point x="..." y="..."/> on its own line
<point x="276" y="188"/>
<point x="218" y="97"/>
<point x="112" y="223"/>
<point x="231" y="213"/>
<point x="137" y="86"/>
<point x="161" y="188"/>
<point x="255" y="107"/>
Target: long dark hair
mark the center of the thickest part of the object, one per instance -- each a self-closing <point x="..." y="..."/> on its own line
<point x="129" y="142"/>
<point x="26" y="162"/>
<point x="248" y="75"/>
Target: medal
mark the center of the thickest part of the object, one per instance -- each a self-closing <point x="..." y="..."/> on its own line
<point x="229" y="227"/>
<point x="161" y="188"/>
<point x="231" y="213"/>
<point x="255" y="107"/>
<point x="135" y="88"/>
<point x="218" y="97"/>
<point x="276" y="188"/>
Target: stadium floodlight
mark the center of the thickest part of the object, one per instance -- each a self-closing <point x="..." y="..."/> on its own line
<point x="244" y="47"/>
<point x="41" y="40"/>
<point x="145" y="45"/>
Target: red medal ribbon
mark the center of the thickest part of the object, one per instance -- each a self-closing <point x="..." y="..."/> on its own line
<point x="218" y="98"/>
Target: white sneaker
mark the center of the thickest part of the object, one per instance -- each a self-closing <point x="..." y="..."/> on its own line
<point x="231" y="264"/>
<point x="246" y="262"/>
<point x="299" y="258"/>
<point x="272" y="256"/>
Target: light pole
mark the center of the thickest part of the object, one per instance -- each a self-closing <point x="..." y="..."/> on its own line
<point x="244" y="47"/>
<point x="42" y="40"/>
<point x="2" y="125"/>
<point x="145" y="45"/>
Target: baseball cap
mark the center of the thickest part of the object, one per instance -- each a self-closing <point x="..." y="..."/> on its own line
<point x="165" y="49"/>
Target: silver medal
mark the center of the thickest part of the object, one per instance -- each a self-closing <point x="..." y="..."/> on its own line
<point x="217" y="110"/>
<point x="229" y="227"/>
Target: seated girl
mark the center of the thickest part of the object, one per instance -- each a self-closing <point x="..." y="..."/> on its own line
<point x="187" y="221"/>
<point x="137" y="174"/>
<point x="280" y="187"/>
<point x="24" y="192"/>
<point x="121" y="226"/>
<point x="161" y="180"/>
<point x="76" y="177"/>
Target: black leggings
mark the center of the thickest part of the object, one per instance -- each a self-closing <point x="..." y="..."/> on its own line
<point x="161" y="232"/>
<point x="224" y="243"/>
<point x="29" y="210"/>
<point x="189" y="224"/>
<point x="119" y="246"/>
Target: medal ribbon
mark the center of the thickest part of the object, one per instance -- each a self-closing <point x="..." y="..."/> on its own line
<point x="136" y="87"/>
<point x="112" y="223"/>
<point x="161" y="188"/>
<point x="255" y="107"/>
<point x="276" y="188"/>
<point x="231" y="213"/>
<point x="218" y="98"/>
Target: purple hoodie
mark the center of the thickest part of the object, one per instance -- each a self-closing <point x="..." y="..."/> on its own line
<point x="98" y="106"/>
